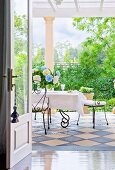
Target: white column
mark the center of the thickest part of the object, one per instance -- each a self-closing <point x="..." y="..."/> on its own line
<point x="49" y="47"/>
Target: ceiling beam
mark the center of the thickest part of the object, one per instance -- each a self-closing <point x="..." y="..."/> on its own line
<point x="51" y="4"/>
<point x="101" y="4"/>
<point x="67" y="13"/>
<point x="76" y="4"/>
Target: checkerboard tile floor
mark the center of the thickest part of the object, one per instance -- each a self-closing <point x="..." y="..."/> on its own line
<point x="82" y="137"/>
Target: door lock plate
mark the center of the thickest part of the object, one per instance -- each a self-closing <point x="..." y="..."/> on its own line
<point x="10" y="79"/>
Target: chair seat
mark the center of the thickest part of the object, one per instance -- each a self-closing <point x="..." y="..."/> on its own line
<point x="94" y="103"/>
<point x="38" y="107"/>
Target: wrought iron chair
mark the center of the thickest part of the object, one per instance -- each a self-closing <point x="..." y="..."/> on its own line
<point x="40" y="103"/>
<point x="93" y="104"/>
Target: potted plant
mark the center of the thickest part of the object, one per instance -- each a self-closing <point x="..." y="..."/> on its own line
<point x="111" y="105"/>
<point x="89" y="93"/>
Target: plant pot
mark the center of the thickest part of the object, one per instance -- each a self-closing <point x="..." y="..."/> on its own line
<point x="89" y="96"/>
<point x="113" y="110"/>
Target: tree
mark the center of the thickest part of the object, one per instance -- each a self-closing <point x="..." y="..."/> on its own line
<point x="39" y="56"/>
<point x="64" y="52"/>
<point x="20" y="59"/>
<point x="97" y="57"/>
<point x="20" y="33"/>
<point x="71" y="55"/>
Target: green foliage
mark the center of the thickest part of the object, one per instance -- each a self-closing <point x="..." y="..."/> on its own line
<point x="65" y="53"/>
<point x="111" y="102"/>
<point x="75" y="76"/>
<point x="99" y="49"/>
<point x="98" y="27"/>
<point x="20" y="34"/>
<point x="96" y="68"/>
<point x="20" y="59"/>
<point x="39" y="57"/>
<point x="86" y="90"/>
<point x="97" y="57"/>
<point x="70" y="77"/>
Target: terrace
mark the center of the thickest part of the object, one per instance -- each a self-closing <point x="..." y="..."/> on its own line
<point x="82" y="137"/>
<point x="61" y="52"/>
<point x="84" y="62"/>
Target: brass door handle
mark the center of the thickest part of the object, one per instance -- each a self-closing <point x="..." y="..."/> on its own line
<point x="5" y="76"/>
<point x="12" y="77"/>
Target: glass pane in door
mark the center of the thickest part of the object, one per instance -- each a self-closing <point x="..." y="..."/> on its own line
<point x="20" y="54"/>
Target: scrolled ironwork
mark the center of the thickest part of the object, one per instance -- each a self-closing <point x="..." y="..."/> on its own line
<point x="40" y="106"/>
<point x="65" y="119"/>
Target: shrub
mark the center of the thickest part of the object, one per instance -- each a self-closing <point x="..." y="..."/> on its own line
<point x="86" y="89"/>
<point x="76" y="76"/>
<point x="111" y="102"/>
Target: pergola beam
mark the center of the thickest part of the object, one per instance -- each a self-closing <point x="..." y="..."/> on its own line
<point x="61" y="13"/>
<point x="52" y="6"/>
<point x="76" y="4"/>
<point x="101" y="4"/>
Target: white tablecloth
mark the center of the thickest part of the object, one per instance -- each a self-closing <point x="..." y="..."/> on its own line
<point x="73" y="101"/>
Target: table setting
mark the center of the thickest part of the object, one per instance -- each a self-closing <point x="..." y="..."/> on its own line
<point x="63" y="101"/>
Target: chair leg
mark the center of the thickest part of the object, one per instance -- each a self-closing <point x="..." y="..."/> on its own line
<point x="44" y="123"/>
<point x="106" y="116"/>
<point x="48" y="116"/>
<point x="35" y="116"/>
<point x="93" y="117"/>
<point x="78" y="120"/>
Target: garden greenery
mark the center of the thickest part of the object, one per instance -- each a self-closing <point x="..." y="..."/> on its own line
<point x="86" y="90"/>
<point x="95" y="57"/>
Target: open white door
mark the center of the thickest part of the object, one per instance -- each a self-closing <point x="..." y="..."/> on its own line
<point x="20" y="82"/>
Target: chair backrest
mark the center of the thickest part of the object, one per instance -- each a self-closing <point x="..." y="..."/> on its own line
<point x="39" y="98"/>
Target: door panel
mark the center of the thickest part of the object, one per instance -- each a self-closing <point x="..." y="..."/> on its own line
<point x="25" y="164"/>
<point x="21" y="139"/>
<point x="20" y="131"/>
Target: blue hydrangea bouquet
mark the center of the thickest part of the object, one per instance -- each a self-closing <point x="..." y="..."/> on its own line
<point x="45" y="78"/>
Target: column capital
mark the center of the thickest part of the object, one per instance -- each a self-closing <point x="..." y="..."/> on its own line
<point x="49" y="18"/>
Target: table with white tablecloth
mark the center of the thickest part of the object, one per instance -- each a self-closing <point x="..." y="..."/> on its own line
<point x="63" y="101"/>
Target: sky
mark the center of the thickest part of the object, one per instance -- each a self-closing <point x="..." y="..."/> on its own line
<point x="63" y="31"/>
<point x="63" y="28"/>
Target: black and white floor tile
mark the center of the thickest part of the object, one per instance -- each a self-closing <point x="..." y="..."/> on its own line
<point x="75" y="138"/>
